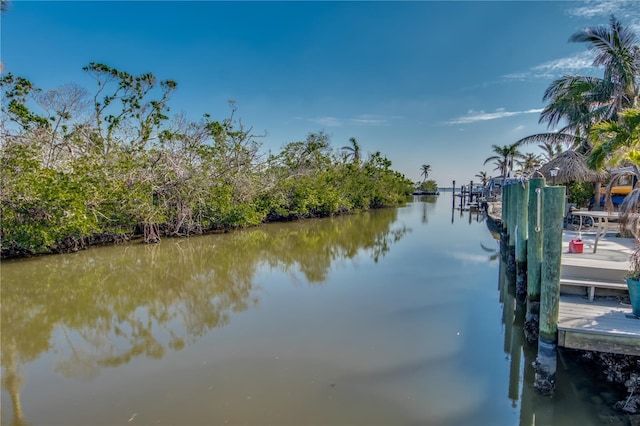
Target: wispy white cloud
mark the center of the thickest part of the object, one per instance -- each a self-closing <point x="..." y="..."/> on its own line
<point x="360" y="120"/>
<point x="592" y="8"/>
<point x="475" y="116"/>
<point x="579" y="62"/>
<point x="518" y="76"/>
<point x="327" y="121"/>
<point x="627" y="11"/>
<point x="369" y="120"/>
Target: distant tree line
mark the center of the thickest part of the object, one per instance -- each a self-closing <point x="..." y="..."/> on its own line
<point x="82" y="167"/>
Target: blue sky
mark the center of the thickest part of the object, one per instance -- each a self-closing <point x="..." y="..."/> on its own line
<point x="423" y="82"/>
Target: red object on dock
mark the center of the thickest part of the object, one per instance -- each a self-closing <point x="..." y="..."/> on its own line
<point x="576" y="246"/>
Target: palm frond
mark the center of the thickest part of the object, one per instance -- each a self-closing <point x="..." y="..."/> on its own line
<point x="615" y="141"/>
<point x="551" y="137"/>
<point x="493" y="157"/>
<point x="617" y="51"/>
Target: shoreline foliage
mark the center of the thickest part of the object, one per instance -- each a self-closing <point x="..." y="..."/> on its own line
<point x="80" y="168"/>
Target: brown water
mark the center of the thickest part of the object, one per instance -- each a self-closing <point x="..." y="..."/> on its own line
<point x="393" y="317"/>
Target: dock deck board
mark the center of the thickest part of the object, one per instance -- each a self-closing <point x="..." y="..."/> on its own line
<point x="603" y="325"/>
<point x="603" y="317"/>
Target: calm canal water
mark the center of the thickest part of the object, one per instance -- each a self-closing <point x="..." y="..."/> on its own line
<point x="393" y="317"/>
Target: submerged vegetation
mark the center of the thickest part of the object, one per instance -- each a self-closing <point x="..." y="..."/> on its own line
<point x="81" y="167"/>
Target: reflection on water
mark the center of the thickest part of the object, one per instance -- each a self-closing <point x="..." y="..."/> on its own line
<point x="428" y="205"/>
<point x="385" y="317"/>
<point x="113" y="304"/>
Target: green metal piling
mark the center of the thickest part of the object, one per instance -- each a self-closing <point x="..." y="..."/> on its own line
<point x="552" y="215"/>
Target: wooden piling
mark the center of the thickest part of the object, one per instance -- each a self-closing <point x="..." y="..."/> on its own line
<point x="534" y="258"/>
<point x="552" y="215"/>
<point x="511" y="242"/>
<point x="522" y="220"/>
<point x="515" y="203"/>
<point x="504" y="209"/>
<point x="512" y="224"/>
<point x="453" y="195"/>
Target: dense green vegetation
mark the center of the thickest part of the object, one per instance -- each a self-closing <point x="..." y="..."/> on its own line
<point x="428" y="186"/>
<point x="580" y="193"/>
<point x="80" y="167"/>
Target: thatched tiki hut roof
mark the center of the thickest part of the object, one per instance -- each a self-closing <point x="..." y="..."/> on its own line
<point x="573" y="167"/>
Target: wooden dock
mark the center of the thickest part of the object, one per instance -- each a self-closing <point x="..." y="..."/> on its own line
<point x="602" y="326"/>
<point x="606" y="324"/>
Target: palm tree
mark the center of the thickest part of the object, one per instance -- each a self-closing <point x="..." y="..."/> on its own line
<point x="484" y="178"/>
<point x="528" y="163"/>
<point x="549" y="150"/>
<point x="425" y="168"/>
<point x="580" y="101"/>
<point x="617" y="50"/>
<point x="616" y="141"/>
<point x="506" y="155"/>
<point x="501" y="165"/>
<point x="571" y="100"/>
<point x="353" y="150"/>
